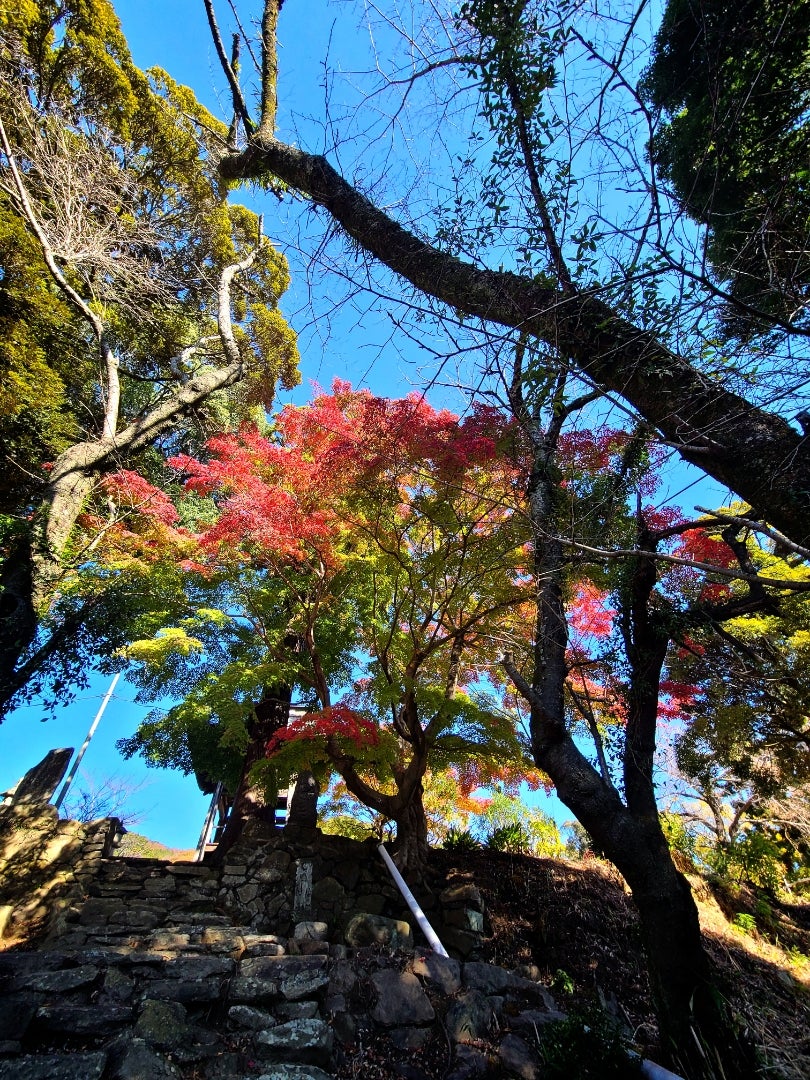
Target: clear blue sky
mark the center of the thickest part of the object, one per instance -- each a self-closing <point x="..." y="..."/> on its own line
<point x="174" y="35"/>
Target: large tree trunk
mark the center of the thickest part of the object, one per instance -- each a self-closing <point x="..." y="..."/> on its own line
<point x="690" y="1014"/>
<point x="18" y="620"/>
<point x="690" y="1011"/>
<point x="269" y="716"/>
<point x="411" y="852"/>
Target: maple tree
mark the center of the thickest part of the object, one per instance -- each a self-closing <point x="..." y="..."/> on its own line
<point x="743" y="746"/>
<point x="366" y="528"/>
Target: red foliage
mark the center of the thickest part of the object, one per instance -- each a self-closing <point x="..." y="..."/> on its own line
<point x="133" y="491"/>
<point x="589" y="613"/>
<point x="676" y="699"/>
<point x="661" y="518"/>
<point x="336" y="720"/>
<point x="697" y="545"/>
<point x="286" y="496"/>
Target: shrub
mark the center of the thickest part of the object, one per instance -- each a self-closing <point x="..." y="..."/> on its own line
<point x="587" y="1045"/>
<point x="460" y="840"/>
<point x="512" y="837"/>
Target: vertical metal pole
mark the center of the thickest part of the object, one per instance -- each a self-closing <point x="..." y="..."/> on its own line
<point x="74" y="768"/>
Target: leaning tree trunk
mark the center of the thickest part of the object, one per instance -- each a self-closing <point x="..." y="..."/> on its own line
<point x="695" y="1028"/>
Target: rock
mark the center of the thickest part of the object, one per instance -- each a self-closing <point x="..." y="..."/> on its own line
<point x="225" y="938"/>
<point x="462" y="942"/>
<point x="528" y="1021"/>
<point x="280" y="967"/>
<point x="306" y="1042"/>
<point x="311" y="931"/>
<point x="328" y="893"/>
<point x="462" y="896"/>
<point x="440" y="971"/>
<point x="260" y="945"/>
<point x="56" y="982"/>
<point x="134" y="1060"/>
<point x="68" y="1019"/>
<point x="365" y="929"/>
<point x="313" y="948"/>
<point x="465" y="919"/>
<point x="118" y="987"/>
<point x="294" y="1072"/>
<point x="470" y="1063"/>
<point x="187" y="990"/>
<point x="516" y="1057"/>
<point x="198" y="967"/>
<point x="17" y="1013"/>
<point x="372" y="903"/>
<point x="58" y="1067"/>
<point x="470" y="1017"/>
<point x="406" y="1071"/>
<point x="400" y="999"/>
<point x="487" y="977"/>
<point x="162" y="1024"/>
<point x="303" y="984"/>
<point x="298" y="1010"/>
<point x="274" y="868"/>
<point x="249" y="990"/>
<point x="248" y="1017"/>
<point x="409" y="1038"/>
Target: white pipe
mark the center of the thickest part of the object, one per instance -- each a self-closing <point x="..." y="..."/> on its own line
<point x="657" y="1072"/>
<point x="71" y="775"/>
<point x="411" y="901"/>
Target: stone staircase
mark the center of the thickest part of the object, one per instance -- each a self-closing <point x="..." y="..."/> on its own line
<point x="142" y="904"/>
<point x="146" y="976"/>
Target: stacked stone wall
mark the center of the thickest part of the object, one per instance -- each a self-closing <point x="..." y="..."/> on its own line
<point x="45" y="863"/>
<point x="275" y="878"/>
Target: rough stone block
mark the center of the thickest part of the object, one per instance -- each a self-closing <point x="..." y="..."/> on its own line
<point x="56" y="982"/>
<point x="70" y="1019"/>
<point x="186" y="991"/>
<point x="17" y="1013"/>
<point x="470" y="1017"/>
<point x="247" y="990"/>
<point x="310" y="930"/>
<point x="298" y="1010"/>
<point x="365" y="929"/>
<point x="294" y="1072"/>
<point x="246" y="1016"/>
<point x="517" y="1058"/>
<point x="462" y="896"/>
<point x="306" y="1042"/>
<point x="441" y="971"/>
<point x="304" y="984"/>
<point x="400" y="1000"/>
<point x="57" y="1067"/>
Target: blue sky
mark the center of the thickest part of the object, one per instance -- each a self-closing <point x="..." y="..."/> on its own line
<point x="175" y="35"/>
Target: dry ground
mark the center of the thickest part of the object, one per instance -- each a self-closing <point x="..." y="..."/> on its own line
<point x="575" y="922"/>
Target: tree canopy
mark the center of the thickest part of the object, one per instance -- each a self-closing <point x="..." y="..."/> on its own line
<point x="438" y="591"/>
<point x="121" y="315"/>
<point x="734" y="84"/>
